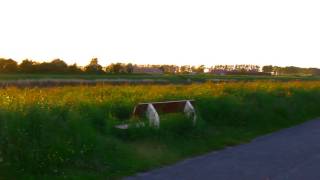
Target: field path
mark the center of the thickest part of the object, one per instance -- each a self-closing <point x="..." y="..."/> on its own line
<point x="292" y="154"/>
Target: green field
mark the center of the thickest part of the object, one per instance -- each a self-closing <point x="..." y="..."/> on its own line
<point x="68" y="132"/>
<point x="169" y="77"/>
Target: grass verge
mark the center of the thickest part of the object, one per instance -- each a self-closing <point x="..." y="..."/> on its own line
<point x="67" y="132"/>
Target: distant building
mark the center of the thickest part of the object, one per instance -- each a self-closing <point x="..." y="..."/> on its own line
<point x="147" y="70"/>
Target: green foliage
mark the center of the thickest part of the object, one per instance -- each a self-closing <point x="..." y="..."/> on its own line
<point x="58" y="66"/>
<point x="27" y="66"/>
<point x="267" y="69"/>
<point x="8" y="66"/>
<point x="118" y="68"/>
<point x="94" y="67"/>
<point x="69" y="131"/>
<point x="74" y="69"/>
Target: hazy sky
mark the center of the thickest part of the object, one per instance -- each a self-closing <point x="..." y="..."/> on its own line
<point x="279" y="32"/>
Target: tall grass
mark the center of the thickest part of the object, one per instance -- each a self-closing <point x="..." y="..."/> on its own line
<point x="68" y="131"/>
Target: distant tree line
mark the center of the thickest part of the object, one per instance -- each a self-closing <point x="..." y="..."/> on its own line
<point x="60" y="67"/>
<point x="239" y="69"/>
<point x="266" y="70"/>
<point x="235" y="68"/>
<point x="290" y="70"/>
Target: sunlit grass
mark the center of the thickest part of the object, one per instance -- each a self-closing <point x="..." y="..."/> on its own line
<point x="68" y="131"/>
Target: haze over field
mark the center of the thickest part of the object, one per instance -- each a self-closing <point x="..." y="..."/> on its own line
<point x="278" y="32"/>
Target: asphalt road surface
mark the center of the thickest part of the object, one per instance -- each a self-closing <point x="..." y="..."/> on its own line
<point x="292" y="154"/>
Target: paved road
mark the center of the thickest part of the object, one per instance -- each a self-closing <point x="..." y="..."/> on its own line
<point x="292" y="154"/>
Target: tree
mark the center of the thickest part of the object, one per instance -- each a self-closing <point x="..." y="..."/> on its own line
<point x="129" y="68"/>
<point x="267" y="69"/>
<point x="169" y="69"/>
<point x="43" y="67"/>
<point x="116" y="68"/>
<point x="193" y="69"/>
<point x="200" y="69"/>
<point x="94" y="67"/>
<point x="58" y="65"/>
<point x="314" y="71"/>
<point x="27" y="66"/>
<point x="74" y="69"/>
<point x="185" y="69"/>
<point x="8" y="66"/>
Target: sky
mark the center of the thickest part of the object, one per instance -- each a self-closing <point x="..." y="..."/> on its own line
<point x="209" y="32"/>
